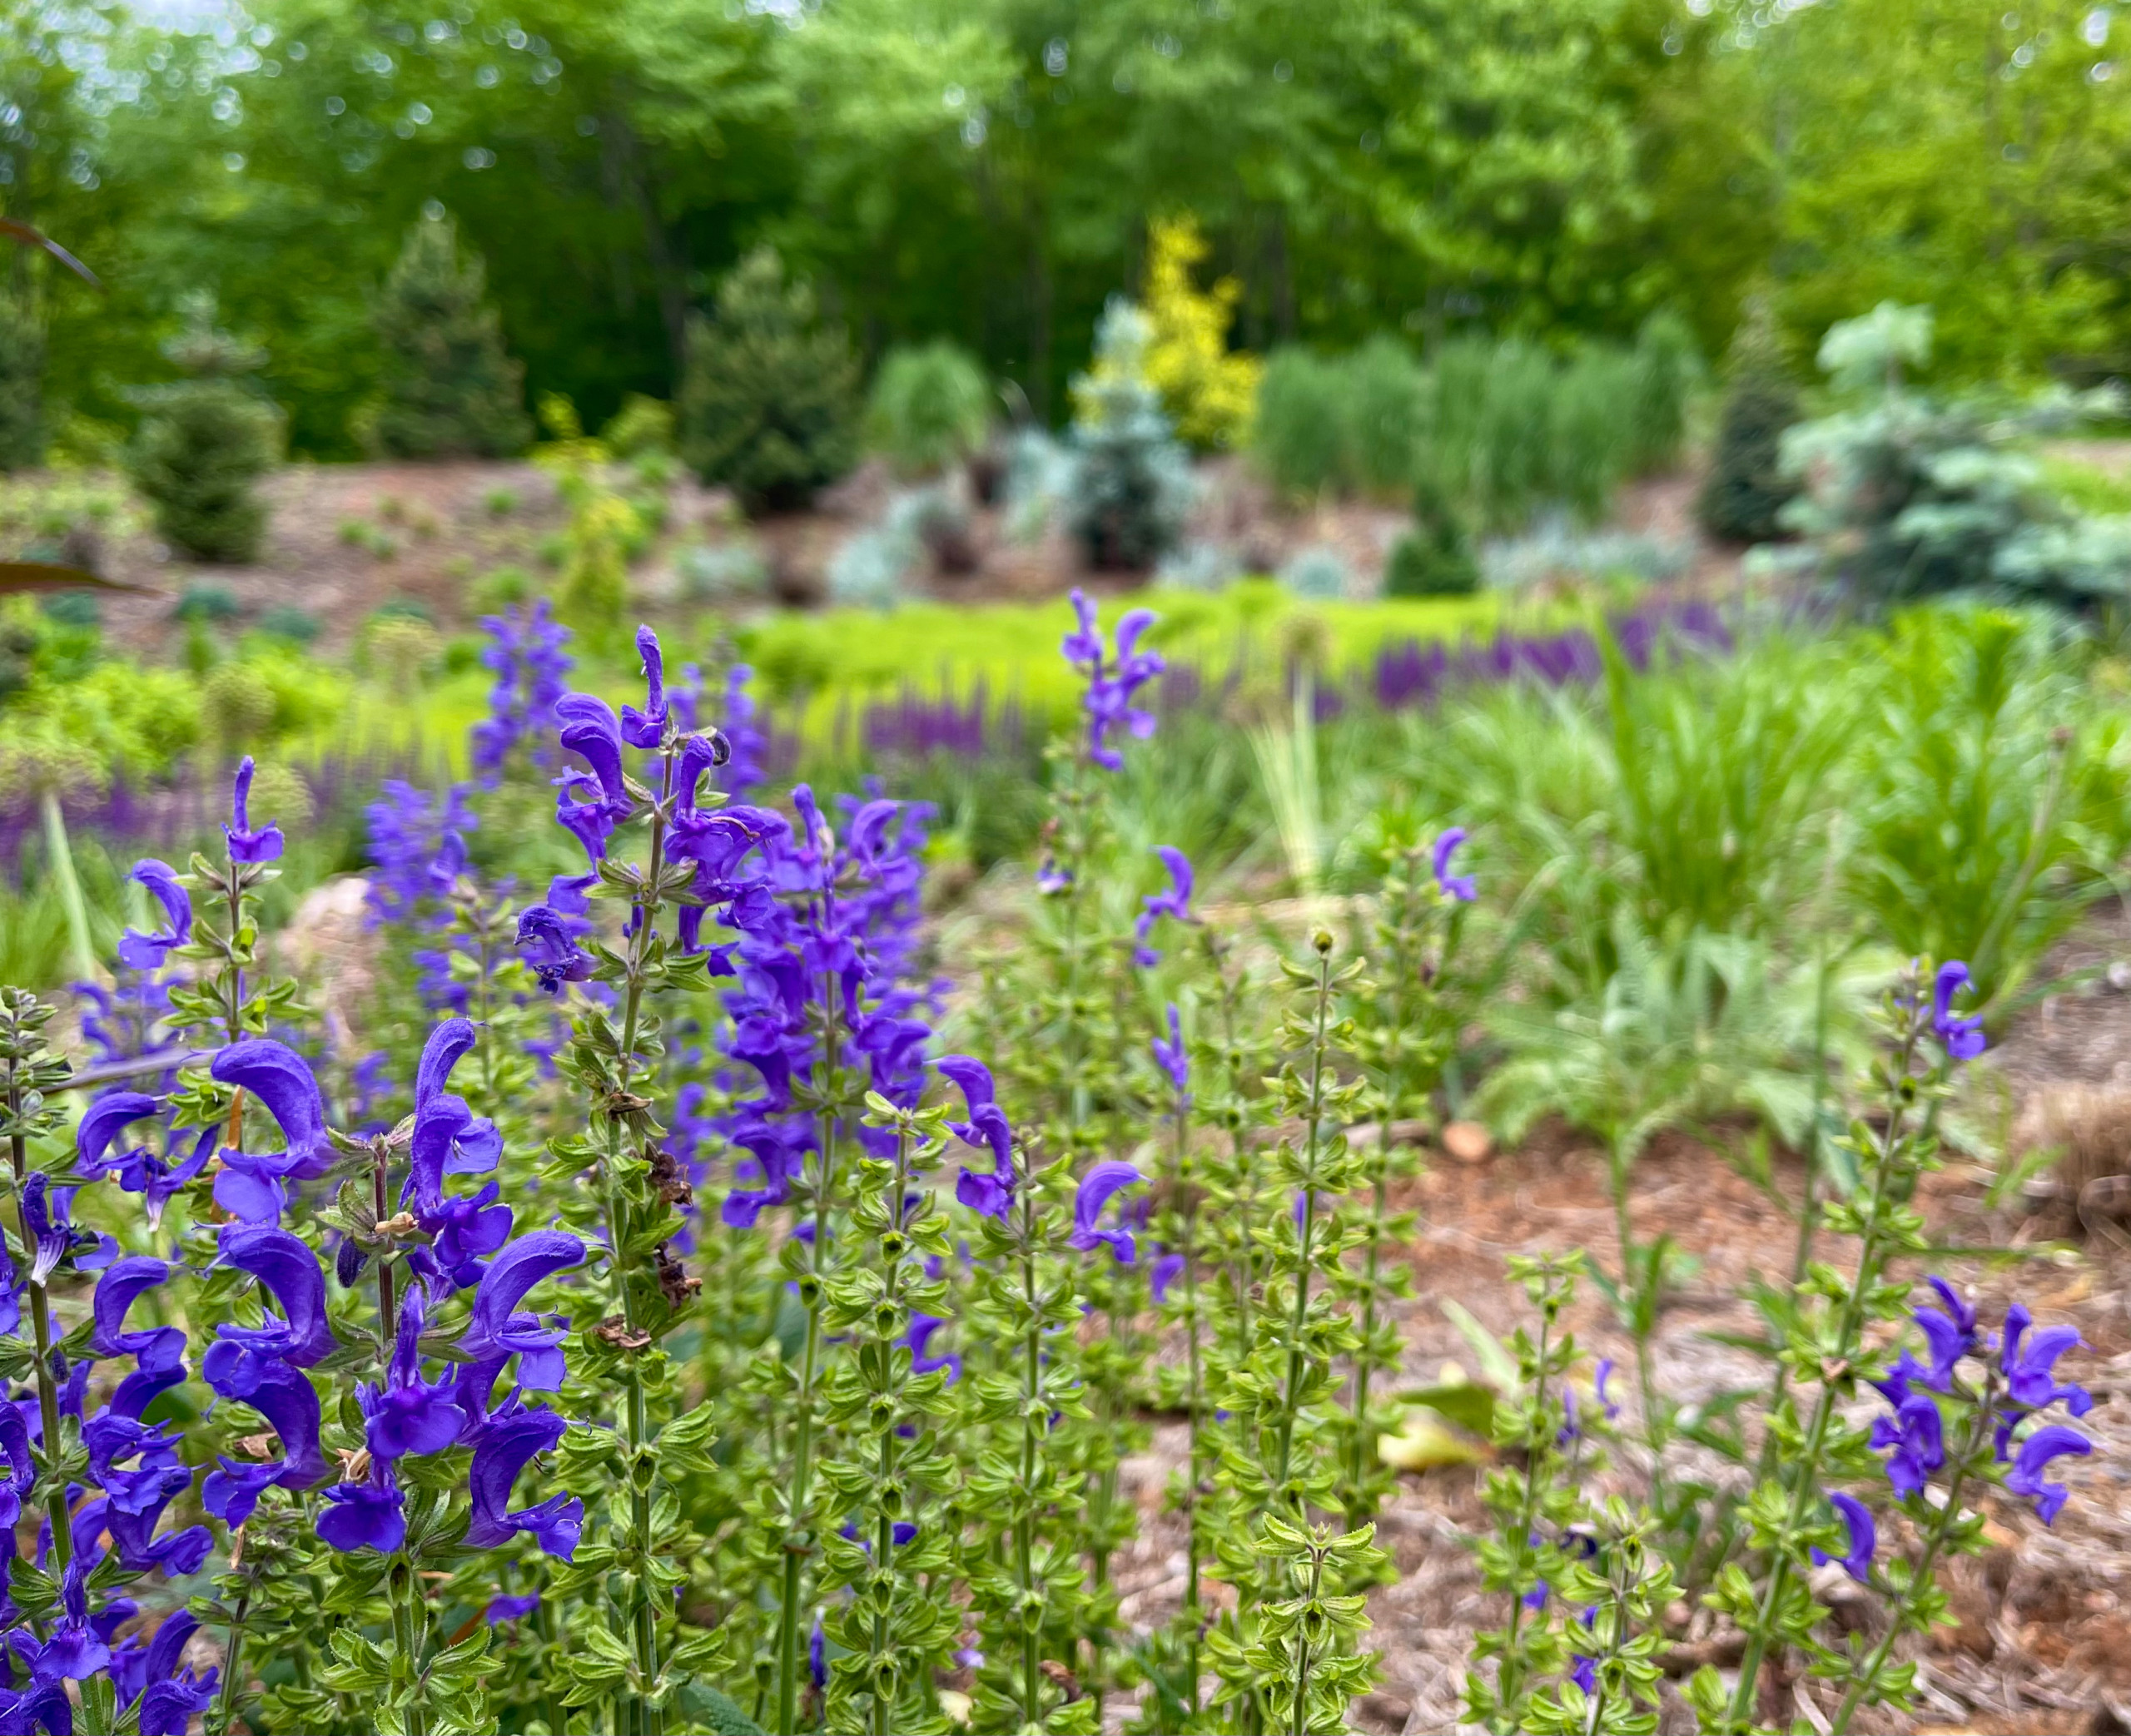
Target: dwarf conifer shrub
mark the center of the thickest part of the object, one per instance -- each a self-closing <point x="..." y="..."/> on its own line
<point x="449" y="388"/>
<point x="1132" y="484"/>
<point x="1435" y="557"/>
<point x="769" y="396"/>
<point x="1746" y="488"/>
<point x="204" y="443"/>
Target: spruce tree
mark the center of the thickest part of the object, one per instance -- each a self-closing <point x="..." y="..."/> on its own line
<point x="21" y="383"/>
<point x="447" y="389"/>
<point x="1746" y="488"/>
<point x="768" y="404"/>
<point x="206" y="441"/>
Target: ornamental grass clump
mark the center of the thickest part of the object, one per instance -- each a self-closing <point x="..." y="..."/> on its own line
<point x="665" y="1304"/>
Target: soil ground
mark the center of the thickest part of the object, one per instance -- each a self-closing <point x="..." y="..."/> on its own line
<point x="345" y="540"/>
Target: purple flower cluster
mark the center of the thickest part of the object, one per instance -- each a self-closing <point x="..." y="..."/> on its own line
<point x="1113" y="680"/>
<point x="134" y="1473"/>
<point x="2022" y="1384"/>
<point x="468" y="1248"/>
<point x="825" y="923"/>
<point x="528" y="652"/>
<point x="417" y="855"/>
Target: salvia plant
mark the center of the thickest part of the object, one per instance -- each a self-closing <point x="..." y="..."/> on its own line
<point x="672" y="1301"/>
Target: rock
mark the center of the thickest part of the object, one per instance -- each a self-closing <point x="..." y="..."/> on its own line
<point x="1467" y="1141"/>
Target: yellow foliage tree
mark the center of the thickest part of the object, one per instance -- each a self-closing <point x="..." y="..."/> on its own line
<point x="1208" y="390"/>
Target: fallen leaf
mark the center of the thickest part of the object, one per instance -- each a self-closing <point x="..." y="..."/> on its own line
<point x="1425" y="1442"/>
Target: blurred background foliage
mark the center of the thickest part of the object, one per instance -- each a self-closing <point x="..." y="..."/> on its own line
<point x="987" y="172"/>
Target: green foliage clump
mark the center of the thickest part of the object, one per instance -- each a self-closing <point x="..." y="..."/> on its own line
<point x="931" y="407"/>
<point x="768" y="398"/>
<point x="1746" y="488"/>
<point x="1351" y="424"/>
<point x="1300" y="436"/>
<point x="448" y="389"/>
<point x="204" y="443"/>
<point x="1131" y="485"/>
<point x="22" y="385"/>
<point x="1506" y="428"/>
<point x="1435" y="557"/>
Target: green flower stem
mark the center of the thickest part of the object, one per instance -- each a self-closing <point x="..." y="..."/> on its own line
<point x="1301" y="1712"/>
<point x="884" y="1534"/>
<point x="232" y="1667"/>
<point x="1195" y="1401"/>
<point x="1025" y="1518"/>
<point x="1942" y="1526"/>
<point x="643" y="1619"/>
<point x="1509" y="1681"/>
<point x="407" y="1641"/>
<point x="1357" y="1445"/>
<point x="1291" y="1389"/>
<point x="48" y="1389"/>
<point x="798" y="1543"/>
<point x="1850" y="1324"/>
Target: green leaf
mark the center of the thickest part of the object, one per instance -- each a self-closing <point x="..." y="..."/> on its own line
<point x="1497" y="1366"/>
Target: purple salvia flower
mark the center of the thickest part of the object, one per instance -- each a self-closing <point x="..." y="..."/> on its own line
<point x="20" y="1466"/>
<point x="647" y="727"/>
<point x="1175" y="902"/>
<point x="290" y="1272"/>
<point x="2025" y="1478"/>
<point x="137" y="951"/>
<point x="1458" y="888"/>
<point x="591" y="730"/>
<point x="282" y="1080"/>
<point x="370" y="1515"/>
<point x="47" y="1211"/>
<point x="1097" y="1187"/>
<point x="171" y="1698"/>
<point x="1951" y="1335"/>
<point x="105" y="1119"/>
<point x="990" y="1194"/>
<point x="1171" y="1056"/>
<point x="1962" y="1037"/>
<point x="245" y="845"/>
<point x="504" y="1608"/>
<point x="285" y="1397"/>
<point x="508" y="1442"/>
<point x="817" y="1657"/>
<point x="1864" y="1538"/>
<point x="547" y="945"/>
<point x="1914" y="1439"/>
<point x="76" y="1651"/>
<point x="1166" y="1270"/>
<point x="116" y="1290"/>
<point x="157" y="1180"/>
<point x="2030" y="1376"/>
<point x="511" y="1275"/>
<point x="409" y="1414"/>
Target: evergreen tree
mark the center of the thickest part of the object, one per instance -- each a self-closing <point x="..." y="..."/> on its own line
<point x="768" y="404"/>
<point x="1435" y="557"/>
<point x="1132" y="484"/>
<point x="1746" y="488"/>
<point x="448" y="389"/>
<point x="205" y="442"/>
<point x="21" y="383"/>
